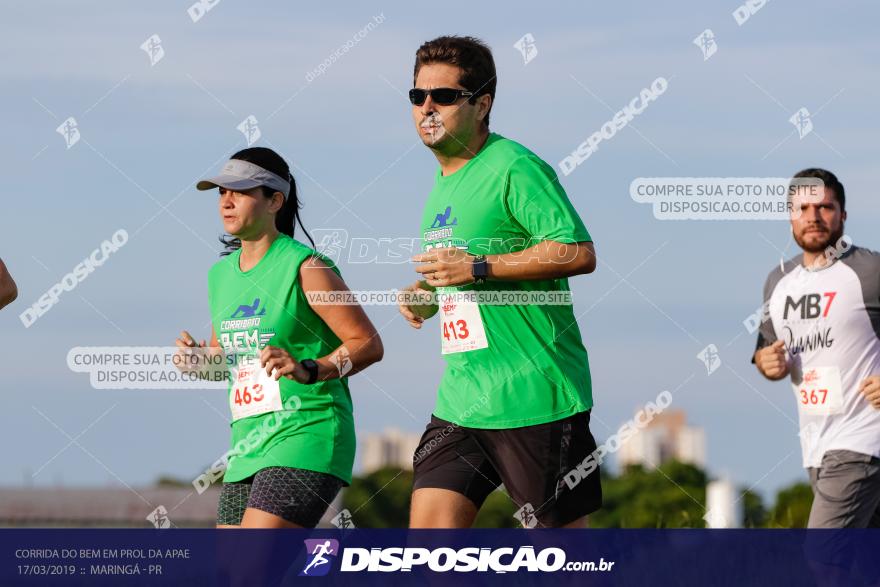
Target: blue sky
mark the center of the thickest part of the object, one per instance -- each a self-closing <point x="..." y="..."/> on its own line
<point x="150" y="132"/>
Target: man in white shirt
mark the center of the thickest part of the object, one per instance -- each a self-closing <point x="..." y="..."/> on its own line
<point x="822" y="328"/>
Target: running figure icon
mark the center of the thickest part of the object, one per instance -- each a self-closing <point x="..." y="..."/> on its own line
<point x="318" y="553"/>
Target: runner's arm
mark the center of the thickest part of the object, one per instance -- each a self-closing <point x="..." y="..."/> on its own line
<point x="187" y="346"/>
<point x="770" y="356"/>
<point x="361" y="345"/>
<point x="546" y="260"/>
<point x="771" y="361"/>
<point x="8" y="289"/>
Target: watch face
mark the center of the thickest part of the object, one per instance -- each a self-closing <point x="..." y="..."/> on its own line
<point x="312" y="367"/>
<point x="480" y="268"/>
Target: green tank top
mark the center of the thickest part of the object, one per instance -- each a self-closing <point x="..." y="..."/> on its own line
<point x="313" y="426"/>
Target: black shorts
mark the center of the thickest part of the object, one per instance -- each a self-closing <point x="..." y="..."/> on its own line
<point x="532" y="462"/>
<point x="299" y="496"/>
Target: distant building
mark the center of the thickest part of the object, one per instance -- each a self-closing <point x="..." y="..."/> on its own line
<point x="724" y="508"/>
<point x="390" y="448"/>
<point x="691" y="446"/>
<point x="665" y="437"/>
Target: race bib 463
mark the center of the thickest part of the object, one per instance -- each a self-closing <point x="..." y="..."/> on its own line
<point x="253" y="391"/>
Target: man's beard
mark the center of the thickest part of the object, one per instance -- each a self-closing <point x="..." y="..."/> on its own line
<point x="821" y="245"/>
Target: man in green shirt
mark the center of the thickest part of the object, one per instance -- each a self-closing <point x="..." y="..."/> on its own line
<point x="514" y="402"/>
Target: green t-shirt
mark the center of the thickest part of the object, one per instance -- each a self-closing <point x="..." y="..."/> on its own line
<point x="535" y="368"/>
<point x="266" y="305"/>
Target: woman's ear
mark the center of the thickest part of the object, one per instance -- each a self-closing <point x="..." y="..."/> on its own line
<point x="277" y="202"/>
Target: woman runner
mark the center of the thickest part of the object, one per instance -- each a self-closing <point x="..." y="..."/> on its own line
<point x="288" y="355"/>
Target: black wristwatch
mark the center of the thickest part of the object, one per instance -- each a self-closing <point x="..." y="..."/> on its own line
<point x="480" y="269"/>
<point x="312" y="367"/>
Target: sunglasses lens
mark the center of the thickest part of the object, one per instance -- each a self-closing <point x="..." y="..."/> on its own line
<point x="444" y="96"/>
<point x="417" y="96"/>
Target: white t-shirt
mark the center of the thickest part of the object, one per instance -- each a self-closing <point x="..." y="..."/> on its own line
<point x="829" y="320"/>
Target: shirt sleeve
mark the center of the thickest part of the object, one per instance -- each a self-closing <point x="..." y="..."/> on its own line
<point x="535" y="199"/>
<point x="866" y="264"/>
<point x="766" y="332"/>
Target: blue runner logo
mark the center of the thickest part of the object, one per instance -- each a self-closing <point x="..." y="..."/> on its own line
<point x="317" y="561"/>
<point x="249" y="311"/>
<point x="442" y="219"/>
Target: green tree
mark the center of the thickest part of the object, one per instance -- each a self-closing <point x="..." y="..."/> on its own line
<point x="792" y="509"/>
<point x="169" y="481"/>
<point x="670" y="496"/>
<point x="380" y="499"/>
<point x="754" y="511"/>
<point x="497" y="512"/>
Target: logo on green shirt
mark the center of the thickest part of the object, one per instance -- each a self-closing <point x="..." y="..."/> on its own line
<point x="241" y="332"/>
<point x="248" y="311"/>
<point x="442" y="219"/>
<point x="441" y="229"/>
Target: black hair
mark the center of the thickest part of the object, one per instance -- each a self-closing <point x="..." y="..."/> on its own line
<point x="288" y="215"/>
<point x="830" y="180"/>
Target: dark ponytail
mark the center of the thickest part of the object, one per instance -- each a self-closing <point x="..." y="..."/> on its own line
<point x="288" y="216"/>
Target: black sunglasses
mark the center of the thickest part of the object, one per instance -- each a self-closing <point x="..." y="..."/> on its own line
<point x="442" y="96"/>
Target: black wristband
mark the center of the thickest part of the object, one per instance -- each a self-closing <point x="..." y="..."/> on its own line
<point x="312" y="367"/>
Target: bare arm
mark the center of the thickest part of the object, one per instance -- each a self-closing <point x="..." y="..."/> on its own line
<point x="360" y="340"/>
<point x="8" y="289"/>
<point x="361" y="345"/>
<point x="545" y="260"/>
